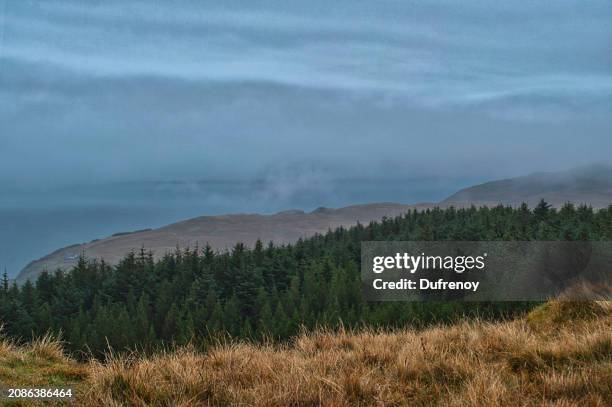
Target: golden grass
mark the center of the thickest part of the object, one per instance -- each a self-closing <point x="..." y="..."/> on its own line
<point x="522" y="362"/>
<point x="559" y="355"/>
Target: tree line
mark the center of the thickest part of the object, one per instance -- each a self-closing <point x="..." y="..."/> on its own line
<point x="268" y="292"/>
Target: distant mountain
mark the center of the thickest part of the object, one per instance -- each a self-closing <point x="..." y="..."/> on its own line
<point x="589" y="185"/>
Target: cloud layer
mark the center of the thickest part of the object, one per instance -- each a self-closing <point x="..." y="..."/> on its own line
<point x="188" y="90"/>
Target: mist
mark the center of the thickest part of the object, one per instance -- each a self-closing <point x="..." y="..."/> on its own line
<point x="114" y="92"/>
<point x="124" y="115"/>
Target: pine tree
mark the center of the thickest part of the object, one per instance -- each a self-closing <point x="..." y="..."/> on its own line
<point x="541" y="211"/>
<point x="266" y="320"/>
<point x="5" y="281"/>
<point x="142" y="325"/>
<point x="232" y="321"/>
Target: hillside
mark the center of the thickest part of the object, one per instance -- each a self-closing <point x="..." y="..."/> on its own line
<point x="219" y="232"/>
<point x="559" y="354"/>
<point x="590" y="185"/>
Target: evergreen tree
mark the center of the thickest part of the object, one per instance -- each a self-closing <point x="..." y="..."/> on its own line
<point x="193" y="294"/>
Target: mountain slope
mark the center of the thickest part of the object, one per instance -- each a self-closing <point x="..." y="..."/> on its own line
<point x="590" y="185"/>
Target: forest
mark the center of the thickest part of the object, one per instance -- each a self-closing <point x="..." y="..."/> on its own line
<point x="267" y="293"/>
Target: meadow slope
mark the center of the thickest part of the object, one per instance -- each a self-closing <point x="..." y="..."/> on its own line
<point x="560" y="354"/>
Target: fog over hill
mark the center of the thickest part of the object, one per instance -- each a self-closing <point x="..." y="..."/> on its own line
<point x="589" y="185"/>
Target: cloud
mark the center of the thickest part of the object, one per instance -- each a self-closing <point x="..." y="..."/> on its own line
<point x="194" y="90"/>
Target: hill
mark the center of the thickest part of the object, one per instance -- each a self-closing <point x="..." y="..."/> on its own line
<point x="220" y="232"/>
<point x="589" y="185"/>
<point x="559" y="354"/>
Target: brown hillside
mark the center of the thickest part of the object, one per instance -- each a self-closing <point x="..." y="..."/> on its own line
<point x="220" y="232"/>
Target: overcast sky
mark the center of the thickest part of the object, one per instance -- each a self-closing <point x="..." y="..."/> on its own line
<point x="108" y="91"/>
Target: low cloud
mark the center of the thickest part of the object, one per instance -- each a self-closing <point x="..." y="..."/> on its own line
<point x="126" y="92"/>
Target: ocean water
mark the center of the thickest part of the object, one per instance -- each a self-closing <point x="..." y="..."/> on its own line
<point x="35" y="223"/>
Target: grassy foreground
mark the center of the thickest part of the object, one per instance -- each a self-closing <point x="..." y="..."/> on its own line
<point x="560" y="354"/>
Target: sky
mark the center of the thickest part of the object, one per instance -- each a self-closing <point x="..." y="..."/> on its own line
<point x="102" y="92"/>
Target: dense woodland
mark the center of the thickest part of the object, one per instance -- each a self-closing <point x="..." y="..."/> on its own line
<point x="268" y="292"/>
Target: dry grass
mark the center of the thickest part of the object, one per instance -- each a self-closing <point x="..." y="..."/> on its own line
<point x="559" y="355"/>
<point x="41" y="363"/>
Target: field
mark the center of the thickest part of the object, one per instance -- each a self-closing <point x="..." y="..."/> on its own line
<point x="559" y="354"/>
